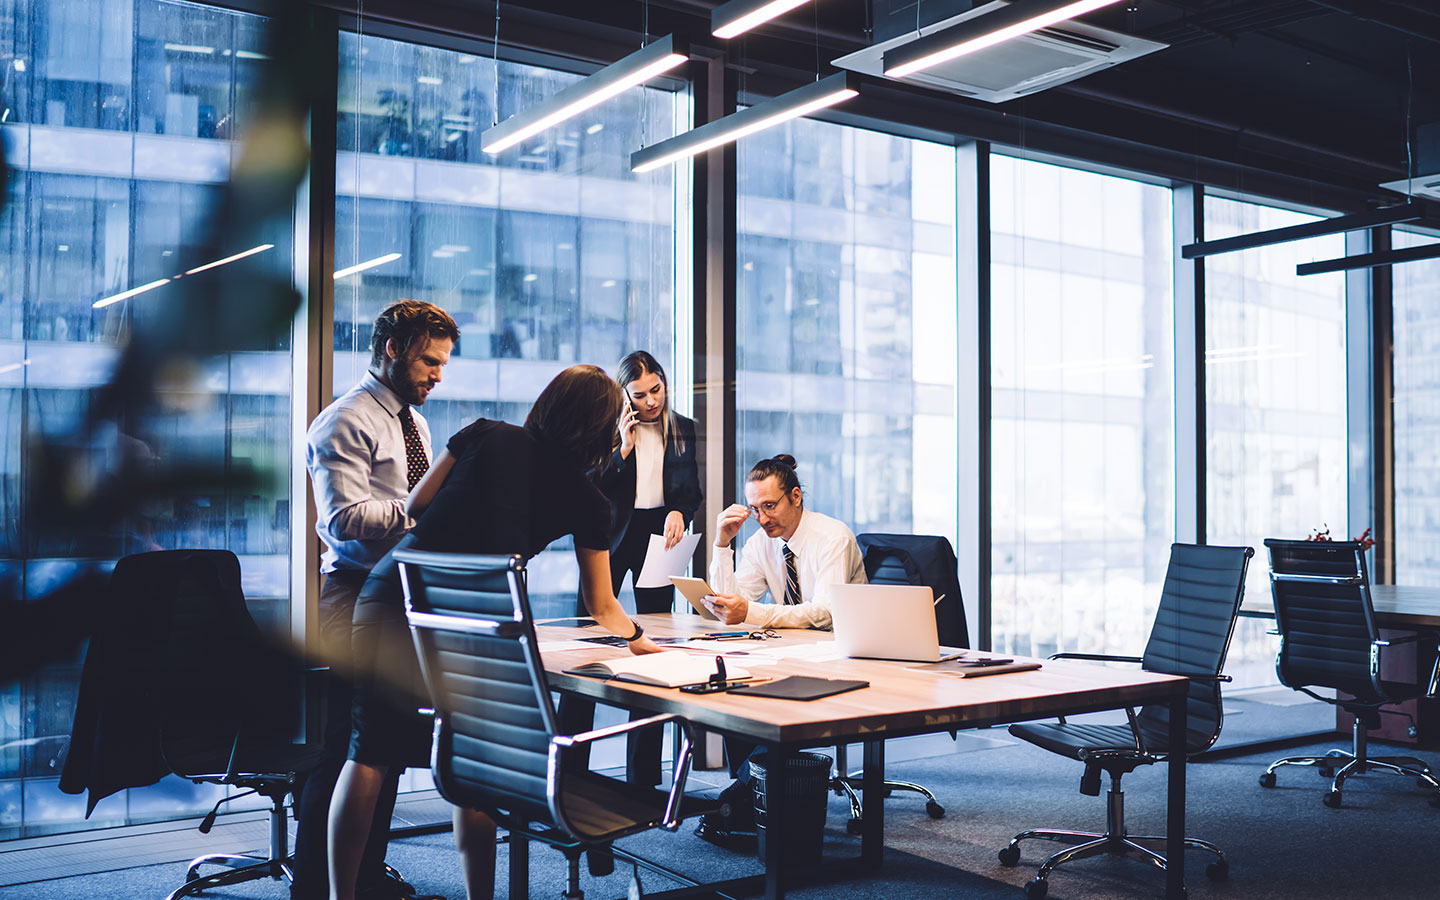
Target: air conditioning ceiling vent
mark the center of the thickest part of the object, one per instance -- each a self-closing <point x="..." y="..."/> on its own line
<point x="1015" y="68"/>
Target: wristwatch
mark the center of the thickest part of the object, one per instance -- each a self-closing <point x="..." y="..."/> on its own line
<point x="638" y="632"/>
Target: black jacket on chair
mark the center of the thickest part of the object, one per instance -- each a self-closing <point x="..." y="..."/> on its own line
<point x="682" y="480"/>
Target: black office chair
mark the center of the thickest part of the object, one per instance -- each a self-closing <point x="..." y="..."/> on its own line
<point x="222" y="704"/>
<point x="496" y="747"/>
<point x="1328" y="639"/>
<point x="919" y="559"/>
<point x="1198" y="604"/>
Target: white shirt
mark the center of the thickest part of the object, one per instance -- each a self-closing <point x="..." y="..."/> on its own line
<point x="825" y="554"/>
<point x="355" y="453"/>
<point x="649" y="466"/>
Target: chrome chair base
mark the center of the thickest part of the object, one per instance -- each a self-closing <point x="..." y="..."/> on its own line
<point x="1344" y="763"/>
<point x="1114" y="840"/>
<point x="844" y="785"/>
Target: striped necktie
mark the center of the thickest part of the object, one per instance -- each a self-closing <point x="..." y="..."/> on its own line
<point x="792" y="578"/>
<point x="416" y="462"/>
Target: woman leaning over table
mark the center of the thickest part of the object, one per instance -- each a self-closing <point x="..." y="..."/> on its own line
<point x="496" y="488"/>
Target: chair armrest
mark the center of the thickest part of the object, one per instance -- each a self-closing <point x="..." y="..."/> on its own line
<point x="1208" y="678"/>
<point x="670" y="821"/>
<point x="1098" y="657"/>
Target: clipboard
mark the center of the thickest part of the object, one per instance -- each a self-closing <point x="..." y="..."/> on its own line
<point x="695" y="590"/>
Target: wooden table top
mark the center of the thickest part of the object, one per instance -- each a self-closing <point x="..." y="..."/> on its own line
<point x="898" y="702"/>
<point x="1396" y="606"/>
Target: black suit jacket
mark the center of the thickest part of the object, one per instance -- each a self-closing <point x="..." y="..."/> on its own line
<point x="682" y="480"/>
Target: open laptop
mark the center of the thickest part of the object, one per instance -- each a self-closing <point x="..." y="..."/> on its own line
<point x="885" y="621"/>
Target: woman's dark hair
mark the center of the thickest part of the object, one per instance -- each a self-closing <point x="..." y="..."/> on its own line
<point x="640" y="363"/>
<point x="577" y="412"/>
<point x="405" y="322"/>
<point x="782" y="466"/>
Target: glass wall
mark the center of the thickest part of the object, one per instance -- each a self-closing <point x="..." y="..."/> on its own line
<point x="550" y="254"/>
<point x="1275" y="403"/>
<point x="1081" y="390"/>
<point x="1416" y="363"/>
<point x="118" y="123"/>
<point x="845" y="322"/>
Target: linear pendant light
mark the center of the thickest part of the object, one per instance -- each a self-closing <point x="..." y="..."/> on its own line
<point x="739" y="16"/>
<point x="660" y="55"/>
<point x="817" y="95"/>
<point x="1370" y="260"/>
<point x="1385" y="215"/>
<point x="1013" y="20"/>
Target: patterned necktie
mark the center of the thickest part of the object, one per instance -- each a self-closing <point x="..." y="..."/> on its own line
<point x="792" y="578"/>
<point x="415" y="460"/>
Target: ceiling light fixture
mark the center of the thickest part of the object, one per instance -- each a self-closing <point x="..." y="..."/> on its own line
<point x="1386" y="215"/>
<point x="802" y="101"/>
<point x="1369" y="260"/>
<point x="660" y="55"/>
<point x="367" y="264"/>
<point x="229" y="259"/>
<point x="125" y="295"/>
<point x="1013" y="20"/>
<point x="739" y="16"/>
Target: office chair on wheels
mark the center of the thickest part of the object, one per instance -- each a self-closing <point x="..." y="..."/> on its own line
<point x="1328" y="638"/>
<point x="1198" y="604"/>
<point x="917" y="559"/>
<point x="496" y="747"/>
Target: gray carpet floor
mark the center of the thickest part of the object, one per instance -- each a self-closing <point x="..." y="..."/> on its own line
<point x="1282" y="842"/>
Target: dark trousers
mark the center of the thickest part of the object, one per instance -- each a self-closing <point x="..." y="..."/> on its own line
<point x="642" y="751"/>
<point x="312" y="795"/>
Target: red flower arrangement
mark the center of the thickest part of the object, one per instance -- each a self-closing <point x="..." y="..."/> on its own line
<point x="1366" y="541"/>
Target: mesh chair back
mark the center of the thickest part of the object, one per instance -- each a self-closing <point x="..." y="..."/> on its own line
<point x="920" y="559"/>
<point x="470" y="618"/>
<point x="1324" y="614"/>
<point x="1191" y="634"/>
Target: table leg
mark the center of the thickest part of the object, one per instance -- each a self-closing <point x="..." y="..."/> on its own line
<point x="1175" y="818"/>
<point x="777" y="821"/>
<point x="872" y="792"/>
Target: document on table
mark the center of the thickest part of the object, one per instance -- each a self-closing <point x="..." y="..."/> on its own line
<point x="660" y="563"/>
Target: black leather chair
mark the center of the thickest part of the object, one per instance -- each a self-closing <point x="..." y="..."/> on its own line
<point x="220" y="704"/>
<point x="1328" y="639"/>
<point x="1201" y="596"/>
<point x="496" y="746"/>
<point x="920" y="559"/>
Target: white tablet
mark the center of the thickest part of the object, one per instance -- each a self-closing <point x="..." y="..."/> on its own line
<point x="694" y="590"/>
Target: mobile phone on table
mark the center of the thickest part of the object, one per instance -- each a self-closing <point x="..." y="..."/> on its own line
<point x="710" y="687"/>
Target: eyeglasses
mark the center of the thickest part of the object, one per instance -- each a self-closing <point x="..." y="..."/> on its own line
<point x="764" y="634"/>
<point x="768" y="508"/>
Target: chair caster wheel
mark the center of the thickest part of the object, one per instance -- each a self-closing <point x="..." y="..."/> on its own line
<point x="600" y="862"/>
<point x="1420" y="782"/>
<point x="1326" y="772"/>
<point x="1331" y="799"/>
<point x="1036" y="889"/>
<point x="1009" y="856"/>
<point x="1267" y="779"/>
<point x="1218" y="871"/>
<point x="854" y="826"/>
<point x="935" y="810"/>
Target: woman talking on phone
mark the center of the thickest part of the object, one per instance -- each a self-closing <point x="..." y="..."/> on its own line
<point x="653" y="485"/>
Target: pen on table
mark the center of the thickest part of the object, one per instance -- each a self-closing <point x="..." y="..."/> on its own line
<point x="938" y="599"/>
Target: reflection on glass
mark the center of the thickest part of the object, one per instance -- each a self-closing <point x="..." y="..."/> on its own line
<point x="846" y="330"/>
<point x="1275" y="403"/>
<point x="1417" y="415"/>
<point x="549" y="254"/>
<point x="1081" y="392"/>
<point x="127" y="110"/>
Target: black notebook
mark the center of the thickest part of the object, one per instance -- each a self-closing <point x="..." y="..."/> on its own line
<point x="799" y="687"/>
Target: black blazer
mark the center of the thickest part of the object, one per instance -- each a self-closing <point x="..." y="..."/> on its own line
<point x="682" y="480"/>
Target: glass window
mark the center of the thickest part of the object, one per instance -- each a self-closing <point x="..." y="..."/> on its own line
<point x="1275" y="395"/>
<point x="1416" y="331"/>
<point x="1081" y="393"/>
<point x="550" y="254"/>
<point x="94" y="211"/>
<point x="845" y="321"/>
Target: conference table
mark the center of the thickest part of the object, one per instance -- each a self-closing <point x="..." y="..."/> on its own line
<point x="1395" y="605"/>
<point x="900" y="702"/>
